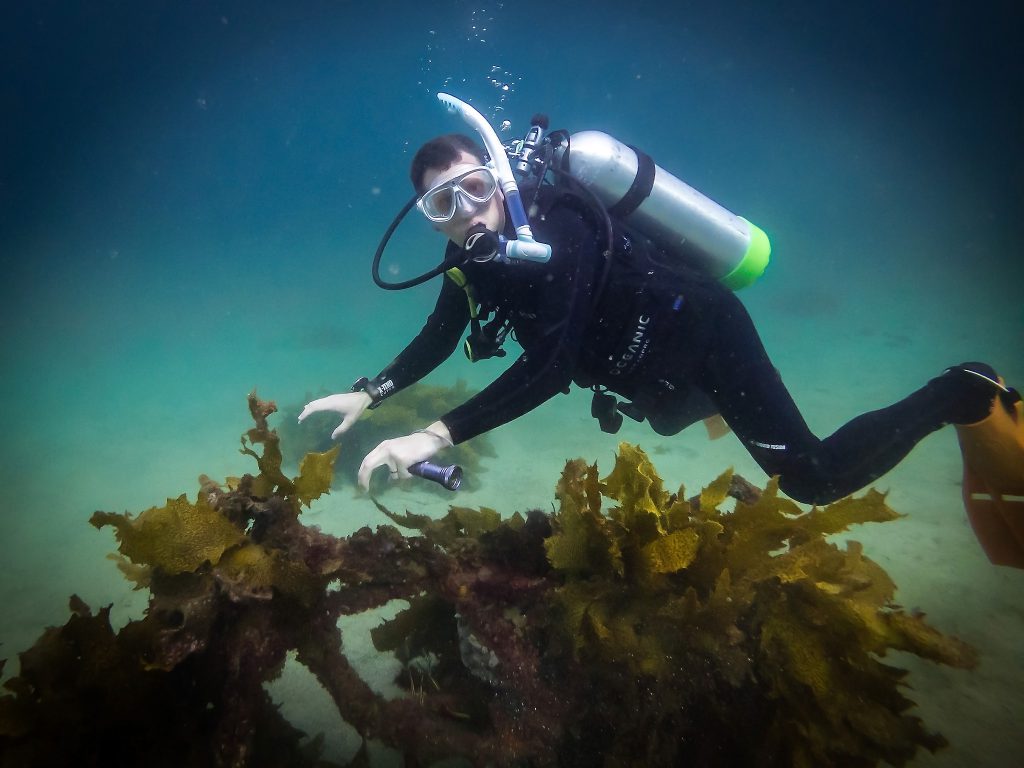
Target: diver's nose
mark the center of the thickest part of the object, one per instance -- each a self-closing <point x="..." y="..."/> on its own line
<point x="464" y="207"/>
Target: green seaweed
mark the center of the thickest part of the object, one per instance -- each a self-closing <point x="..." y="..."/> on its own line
<point x="647" y="633"/>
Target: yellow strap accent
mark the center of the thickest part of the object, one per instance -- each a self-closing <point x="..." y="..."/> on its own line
<point x="458" y="277"/>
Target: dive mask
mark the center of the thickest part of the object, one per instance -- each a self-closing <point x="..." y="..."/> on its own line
<point x="475" y="186"/>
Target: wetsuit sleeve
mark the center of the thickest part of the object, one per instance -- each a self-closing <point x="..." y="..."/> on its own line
<point x="432" y="346"/>
<point x="565" y="290"/>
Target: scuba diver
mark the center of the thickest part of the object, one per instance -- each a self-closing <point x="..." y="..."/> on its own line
<point x="594" y="296"/>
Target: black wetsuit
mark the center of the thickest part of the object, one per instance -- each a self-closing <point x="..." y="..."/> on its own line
<point x="676" y="343"/>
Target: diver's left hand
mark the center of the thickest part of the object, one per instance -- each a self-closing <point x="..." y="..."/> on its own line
<point x="400" y="452"/>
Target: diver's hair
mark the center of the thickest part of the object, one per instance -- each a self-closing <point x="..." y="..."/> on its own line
<point x="441" y="153"/>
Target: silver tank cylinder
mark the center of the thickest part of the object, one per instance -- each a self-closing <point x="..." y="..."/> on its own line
<point x="674" y="214"/>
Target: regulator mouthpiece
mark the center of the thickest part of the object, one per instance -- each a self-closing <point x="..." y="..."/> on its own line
<point x="481" y="243"/>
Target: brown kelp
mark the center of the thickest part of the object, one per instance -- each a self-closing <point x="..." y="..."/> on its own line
<point x="661" y="631"/>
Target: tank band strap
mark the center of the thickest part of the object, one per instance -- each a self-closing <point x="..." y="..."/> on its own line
<point x="639" y="190"/>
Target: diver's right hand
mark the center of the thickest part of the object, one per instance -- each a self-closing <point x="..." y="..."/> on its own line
<point x="349" y="404"/>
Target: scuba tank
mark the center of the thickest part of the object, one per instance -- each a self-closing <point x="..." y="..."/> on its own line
<point x="649" y="199"/>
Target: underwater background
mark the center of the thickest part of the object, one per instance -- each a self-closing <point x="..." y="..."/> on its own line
<point x="191" y="194"/>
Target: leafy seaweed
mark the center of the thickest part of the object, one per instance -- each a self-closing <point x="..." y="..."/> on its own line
<point x="647" y="633"/>
<point x="711" y="608"/>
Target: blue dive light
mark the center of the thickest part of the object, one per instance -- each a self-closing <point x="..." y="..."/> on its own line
<point x="450" y="476"/>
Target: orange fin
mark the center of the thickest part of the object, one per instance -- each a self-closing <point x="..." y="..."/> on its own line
<point x="716" y="427"/>
<point x="993" y="453"/>
<point x="997" y="520"/>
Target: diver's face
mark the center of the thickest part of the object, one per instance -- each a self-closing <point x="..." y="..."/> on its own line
<point x="467" y="213"/>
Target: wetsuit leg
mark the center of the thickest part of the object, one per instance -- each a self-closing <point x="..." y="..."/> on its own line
<point x="737" y="374"/>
